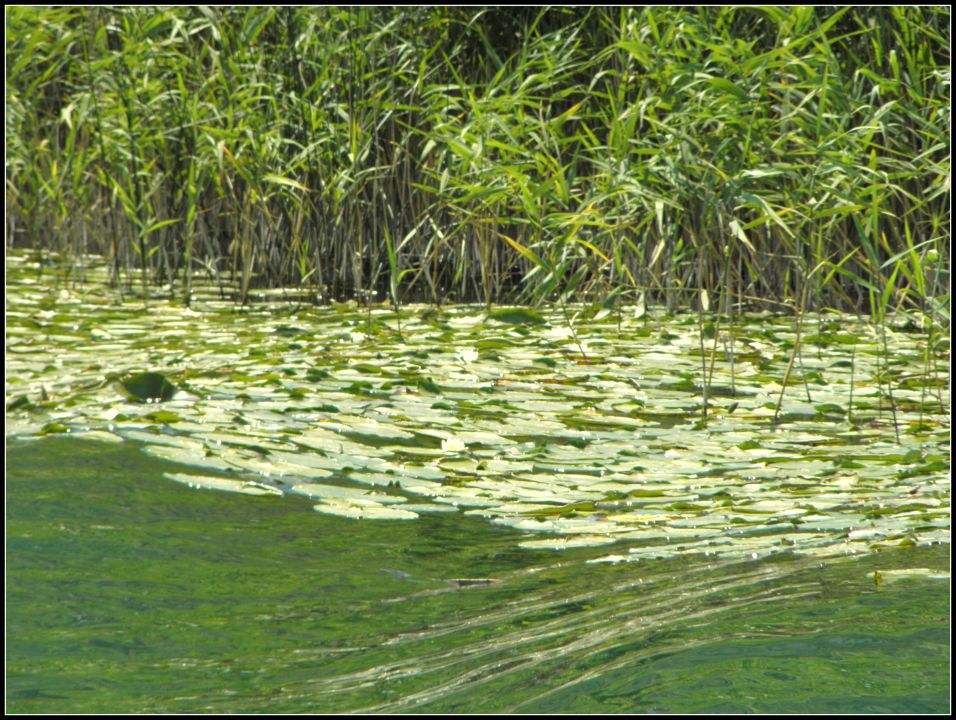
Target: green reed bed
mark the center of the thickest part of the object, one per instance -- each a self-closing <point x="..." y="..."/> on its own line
<point x="721" y="157"/>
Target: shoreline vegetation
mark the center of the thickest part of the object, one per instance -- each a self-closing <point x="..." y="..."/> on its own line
<point x="716" y="158"/>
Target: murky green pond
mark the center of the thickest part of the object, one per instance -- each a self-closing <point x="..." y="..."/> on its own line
<point x="331" y="510"/>
<point x="128" y="593"/>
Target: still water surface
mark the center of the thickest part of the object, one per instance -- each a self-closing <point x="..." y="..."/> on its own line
<point x="129" y="593"/>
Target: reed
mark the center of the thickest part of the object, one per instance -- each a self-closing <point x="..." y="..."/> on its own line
<point x="494" y="155"/>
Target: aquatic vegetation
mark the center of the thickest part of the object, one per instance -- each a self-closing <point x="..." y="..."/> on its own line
<point x="775" y="157"/>
<point x="149" y="386"/>
<point x="688" y="334"/>
<point x="277" y="609"/>
<point x="507" y="421"/>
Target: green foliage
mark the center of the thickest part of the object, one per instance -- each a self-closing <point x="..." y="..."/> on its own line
<point x="506" y="155"/>
<point x="147" y="387"/>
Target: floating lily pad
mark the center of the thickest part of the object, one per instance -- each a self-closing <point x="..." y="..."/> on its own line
<point x="208" y="482"/>
<point x="567" y="543"/>
<point x="22" y="402"/>
<point x="888" y="576"/>
<point x="147" y="386"/>
<point x="517" y="316"/>
<point x="317" y="490"/>
<point x="363" y="511"/>
<point x="495" y="415"/>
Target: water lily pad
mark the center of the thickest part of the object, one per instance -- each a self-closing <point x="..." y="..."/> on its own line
<point x="318" y="490"/>
<point x="188" y="456"/>
<point x="497" y="416"/>
<point x="567" y="543"/>
<point x="429" y="507"/>
<point x="207" y="482"/>
<point x="363" y="511"/>
<point x="147" y="386"/>
<point x="889" y="576"/>
<point x="517" y="316"/>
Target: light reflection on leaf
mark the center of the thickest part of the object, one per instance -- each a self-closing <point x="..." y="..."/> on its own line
<point x="500" y="420"/>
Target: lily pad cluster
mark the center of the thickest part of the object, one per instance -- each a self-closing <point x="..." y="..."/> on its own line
<point x="590" y="437"/>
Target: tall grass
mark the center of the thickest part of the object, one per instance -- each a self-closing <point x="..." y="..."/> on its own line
<point x="775" y="157"/>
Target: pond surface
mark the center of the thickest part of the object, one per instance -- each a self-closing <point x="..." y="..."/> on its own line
<point x="337" y="509"/>
<point x="128" y="593"/>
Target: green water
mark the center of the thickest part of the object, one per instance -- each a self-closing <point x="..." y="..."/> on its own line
<point x="130" y="593"/>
